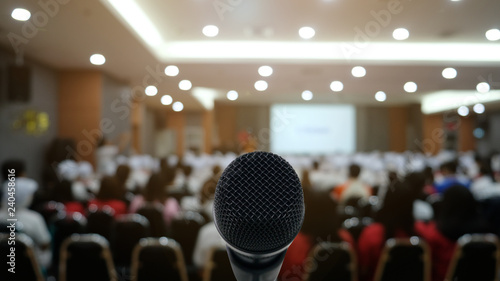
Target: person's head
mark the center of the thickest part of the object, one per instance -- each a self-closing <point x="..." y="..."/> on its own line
<point x="448" y="168"/>
<point x="122" y="173"/>
<point x="168" y="175"/>
<point x="315" y="165"/>
<point x="63" y="192"/>
<point x="320" y="219"/>
<point x="397" y="210"/>
<point x="429" y="175"/>
<point x="187" y="170"/>
<point x="354" y="171"/>
<point x="13" y="166"/>
<point x="109" y="189"/>
<point x="155" y="189"/>
<point x="416" y="182"/>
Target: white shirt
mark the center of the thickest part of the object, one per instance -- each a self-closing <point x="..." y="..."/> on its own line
<point x="208" y="238"/>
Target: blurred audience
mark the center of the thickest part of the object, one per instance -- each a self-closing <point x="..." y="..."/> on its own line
<point x="353" y="187"/>
<point x="109" y="195"/>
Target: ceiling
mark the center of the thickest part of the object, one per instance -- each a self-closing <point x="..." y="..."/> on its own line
<point x="443" y="34"/>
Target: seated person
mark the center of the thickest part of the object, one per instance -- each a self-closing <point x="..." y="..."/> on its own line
<point x="63" y="193"/>
<point x="449" y="177"/>
<point x="353" y="187"/>
<point x="109" y="195"/>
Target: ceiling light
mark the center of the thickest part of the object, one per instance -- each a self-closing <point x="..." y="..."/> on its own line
<point x="177" y="106"/>
<point x="479" y="133"/>
<point x="171" y="70"/>
<point x="151" y="91"/>
<point x="463" y="110"/>
<point x="166" y="100"/>
<point x="479" y="108"/>
<point x="265" y="71"/>
<point x="260" y="85"/>
<point x="358" y="71"/>
<point x="449" y="73"/>
<point x="232" y="95"/>
<point x="400" y="34"/>
<point x="493" y="34"/>
<point x="97" y="59"/>
<point x="336" y="86"/>
<point x="210" y="30"/>
<point x="307" y="95"/>
<point x="410" y="87"/>
<point x="483" y="87"/>
<point x="380" y="96"/>
<point x="306" y="32"/>
<point x="21" y="14"/>
<point x="185" y="85"/>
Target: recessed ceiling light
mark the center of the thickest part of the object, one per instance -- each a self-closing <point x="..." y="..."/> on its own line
<point x="380" y="96"/>
<point x="166" y="100"/>
<point x="400" y="34"/>
<point x="151" y="91"/>
<point x="479" y="108"/>
<point x="307" y="95"/>
<point x="97" y="59"/>
<point x="20" y="14"/>
<point x="185" y="85"/>
<point x="493" y="34"/>
<point x="336" y="86"/>
<point x="210" y="30"/>
<point x="449" y="73"/>
<point x="410" y="87"/>
<point x="232" y="95"/>
<point x="358" y="71"/>
<point x="463" y="110"/>
<point x="260" y="85"/>
<point x="171" y="70"/>
<point x="306" y="32"/>
<point x="265" y="71"/>
<point x="483" y="87"/>
<point x="177" y="106"/>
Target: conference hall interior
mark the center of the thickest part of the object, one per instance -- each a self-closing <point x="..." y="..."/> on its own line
<point x="118" y="118"/>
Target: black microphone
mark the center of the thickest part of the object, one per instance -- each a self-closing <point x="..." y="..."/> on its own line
<point x="258" y="211"/>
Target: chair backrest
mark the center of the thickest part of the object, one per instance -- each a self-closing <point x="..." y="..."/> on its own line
<point x="356" y="225"/>
<point x="25" y="264"/>
<point x="476" y="258"/>
<point x="100" y="221"/>
<point x="331" y="261"/>
<point x="86" y="257"/>
<point x="218" y="266"/>
<point x="154" y="214"/>
<point x="404" y="259"/>
<point x="127" y="231"/>
<point x="185" y="232"/>
<point x="157" y="258"/>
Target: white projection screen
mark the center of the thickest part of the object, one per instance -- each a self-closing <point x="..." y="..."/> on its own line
<point x="312" y="129"/>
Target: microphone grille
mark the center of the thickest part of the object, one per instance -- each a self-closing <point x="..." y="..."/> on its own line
<point x="259" y="203"/>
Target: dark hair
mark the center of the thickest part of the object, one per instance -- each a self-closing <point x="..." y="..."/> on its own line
<point x="168" y="175"/>
<point x="416" y="183"/>
<point x="397" y="211"/>
<point x="63" y="192"/>
<point x="459" y="213"/>
<point x="122" y="173"/>
<point x="109" y="189"/>
<point x="155" y="189"/>
<point x="450" y="166"/>
<point x="354" y="170"/>
<point x="320" y="220"/>
<point x="17" y="165"/>
<point x="429" y="175"/>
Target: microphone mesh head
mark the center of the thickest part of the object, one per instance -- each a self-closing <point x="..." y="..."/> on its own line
<point x="259" y="203"/>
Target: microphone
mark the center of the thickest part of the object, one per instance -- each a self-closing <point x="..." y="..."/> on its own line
<point x="258" y="211"/>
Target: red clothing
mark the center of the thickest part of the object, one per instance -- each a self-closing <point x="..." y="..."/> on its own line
<point x="119" y="207"/>
<point x="74" y="207"/>
<point x="442" y="248"/>
<point x="370" y="245"/>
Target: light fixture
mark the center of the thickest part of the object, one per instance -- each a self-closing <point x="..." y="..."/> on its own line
<point x="463" y="110"/>
<point x="493" y="34"/>
<point x="177" y="106"/>
<point x="400" y="34"/>
<point x="483" y="87"/>
<point x="151" y="91"/>
<point x="210" y="30"/>
<point x="479" y="108"/>
<point x="97" y="59"/>
<point x="410" y="87"/>
<point x="306" y="32"/>
<point x="449" y="73"/>
<point x="380" y="96"/>
<point x="336" y="86"/>
<point x="358" y="71"/>
<point x="185" y="85"/>
<point x="265" y="71"/>
<point x="20" y="14"/>
<point x="260" y="85"/>
<point x="307" y="95"/>
<point x="478" y="133"/>
<point x="171" y="70"/>
<point x="232" y="95"/>
<point x="166" y="100"/>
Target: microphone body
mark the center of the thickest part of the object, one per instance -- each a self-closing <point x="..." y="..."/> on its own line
<point x="258" y="211"/>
